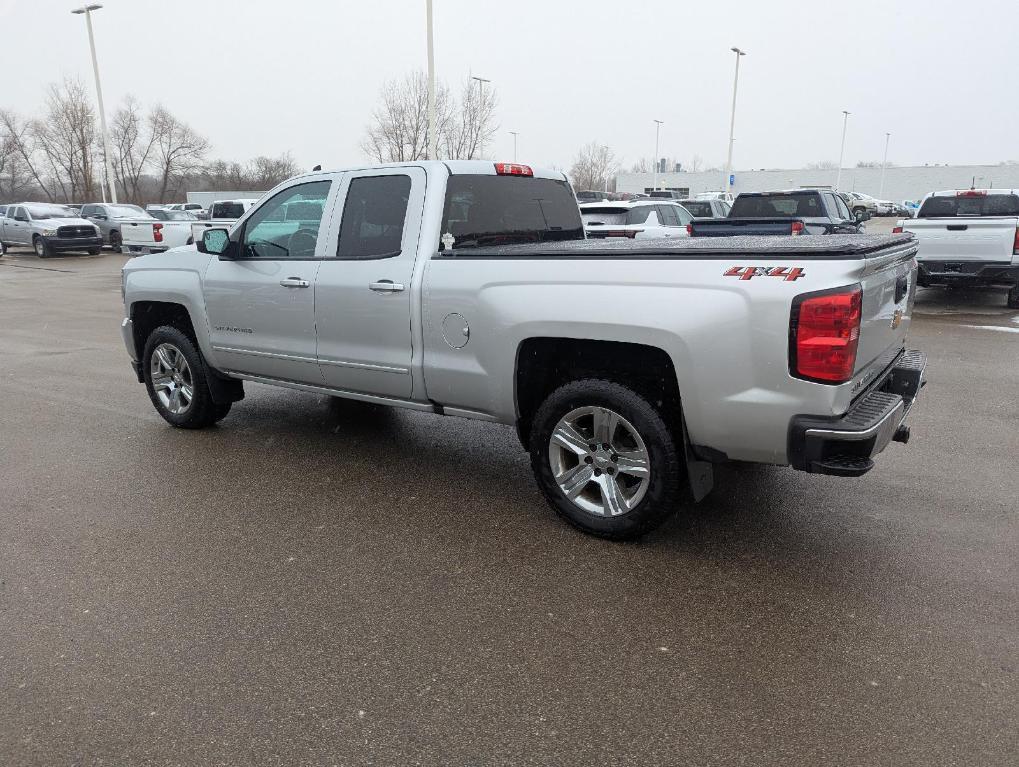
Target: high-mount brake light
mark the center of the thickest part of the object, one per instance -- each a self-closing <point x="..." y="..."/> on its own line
<point x="825" y="334"/>
<point x="157" y="232"/>
<point x="513" y="169"/>
<point x="796" y="228"/>
<point x="971" y="193"/>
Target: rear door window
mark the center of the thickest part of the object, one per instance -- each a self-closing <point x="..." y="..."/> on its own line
<point x="374" y="215"/>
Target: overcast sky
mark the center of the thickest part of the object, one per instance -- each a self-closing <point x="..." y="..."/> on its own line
<point x="260" y="77"/>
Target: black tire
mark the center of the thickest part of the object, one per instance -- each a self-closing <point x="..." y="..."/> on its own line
<point x="3" y="249"/>
<point x="115" y="241"/>
<point x="201" y="410"/>
<point x="1013" y="297"/>
<point x="662" y="494"/>
<point x="42" y="247"/>
<point x="94" y="251"/>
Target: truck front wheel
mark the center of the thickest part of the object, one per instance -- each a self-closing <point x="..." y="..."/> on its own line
<point x="42" y="248"/>
<point x="605" y="459"/>
<point x="175" y="379"/>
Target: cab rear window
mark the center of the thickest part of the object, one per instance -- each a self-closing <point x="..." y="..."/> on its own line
<point x="508" y="210"/>
<point x="778" y="206"/>
<point x="970" y="205"/>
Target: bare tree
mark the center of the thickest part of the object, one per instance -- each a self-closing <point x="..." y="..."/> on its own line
<point x="67" y="140"/>
<point x="133" y="144"/>
<point x="593" y="167"/>
<point x="179" y="149"/>
<point x="695" y="164"/>
<point x="19" y="152"/>
<point x="472" y="124"/>
<point x="399" y="129"/>
<point x="823" y="165"/>
<point x="266" y="172"/>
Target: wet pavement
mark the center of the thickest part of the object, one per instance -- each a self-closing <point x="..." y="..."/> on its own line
<point x="316" y="582"/>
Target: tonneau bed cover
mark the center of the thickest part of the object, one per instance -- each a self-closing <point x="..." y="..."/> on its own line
<point x="834" y="246"/>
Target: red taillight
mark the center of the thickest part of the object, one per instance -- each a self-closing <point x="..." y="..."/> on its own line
<point x="512" y="169"/>
<point x="689" y="229"/>
<point x="1015" y="243"/>
<point x="826" y="333"/>
<point x="796" y="228"/>
<point x="896" y="230"/>
<point x="157" y="232"/>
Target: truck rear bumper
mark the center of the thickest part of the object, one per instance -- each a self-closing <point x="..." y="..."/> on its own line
<point x="846" y="446"/>
<point x="967" y="273"/>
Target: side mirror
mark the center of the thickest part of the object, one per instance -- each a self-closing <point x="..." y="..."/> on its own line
<point x="863" y="215"/>
<point x="99" y="217"/>
<point x="215" y="242"/>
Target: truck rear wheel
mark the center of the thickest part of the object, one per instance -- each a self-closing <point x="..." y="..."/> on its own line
<point x="1013" y="297"/>
<point x="605" y="459"/>
<point x="174" y="374"/>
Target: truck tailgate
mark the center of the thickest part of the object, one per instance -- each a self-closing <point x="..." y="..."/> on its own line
<point x="889" y="289"/>
<point x="138" y="233"/>
<point x="964" y="239"/>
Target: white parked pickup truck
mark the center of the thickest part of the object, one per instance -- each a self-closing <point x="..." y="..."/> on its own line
<point x="161" y="230"/>
<point x="467" y="288"/>
<point x="968" y="237"/>
<point x="221" y="213"/>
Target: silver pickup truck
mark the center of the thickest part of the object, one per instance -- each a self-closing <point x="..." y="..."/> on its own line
<point x="467" y="288"/>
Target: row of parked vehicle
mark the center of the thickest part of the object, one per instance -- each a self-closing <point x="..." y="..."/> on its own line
<point x="50" y="229"/>
<point x="965" y="237"/>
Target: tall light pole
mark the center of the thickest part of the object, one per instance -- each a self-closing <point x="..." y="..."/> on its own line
<point x="732" y="121"/>
<point x="514" y="134"/>
<point x="432" y="139"/>
<point x="87" y="10"/>
<point x="884" y="166"/>
<point x="658" y="127"/>
<point x="842" y="151"/>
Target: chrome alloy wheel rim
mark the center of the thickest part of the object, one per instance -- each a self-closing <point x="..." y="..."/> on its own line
<point x="171" y="379"/>
<point x="599" y="461"/>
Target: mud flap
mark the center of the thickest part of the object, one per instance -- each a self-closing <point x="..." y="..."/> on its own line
<point x="699" y="474"/>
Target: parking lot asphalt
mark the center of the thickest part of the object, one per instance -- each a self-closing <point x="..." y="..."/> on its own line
<point x="323" y="583"/>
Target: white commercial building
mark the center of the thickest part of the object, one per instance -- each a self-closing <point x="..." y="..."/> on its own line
<point x="901" y="183"/>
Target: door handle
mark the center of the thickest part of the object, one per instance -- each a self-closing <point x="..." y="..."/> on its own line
<point x="386" y="286"/>
<point x="295" y="282"/>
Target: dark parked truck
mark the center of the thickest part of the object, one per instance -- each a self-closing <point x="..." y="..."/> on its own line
<point x="467" y="288"/>
<point x="795" y="212"/>
<point x="968" y="237"/>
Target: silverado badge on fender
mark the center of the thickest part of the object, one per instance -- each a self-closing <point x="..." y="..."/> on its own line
<point x="749" y="272"/>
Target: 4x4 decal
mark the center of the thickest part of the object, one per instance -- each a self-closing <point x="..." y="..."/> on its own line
<point x="787" y="273"/>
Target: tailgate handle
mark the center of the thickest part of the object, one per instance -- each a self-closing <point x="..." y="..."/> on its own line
<point x="901" y="287"/>
<point x="957" y="227"/>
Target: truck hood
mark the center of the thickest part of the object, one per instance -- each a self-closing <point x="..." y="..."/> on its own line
<point x="55" y="222"/>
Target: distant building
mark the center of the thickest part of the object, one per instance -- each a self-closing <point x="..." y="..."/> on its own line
<point x="901" y="183"/>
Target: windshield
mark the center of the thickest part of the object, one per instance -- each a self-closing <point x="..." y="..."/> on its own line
<point x="505" y="210"/>
<point x="127" y="211"/>
<point x="37" y="210"/>
<point x="778" y="206"/>
<point x="970" y="205"/>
